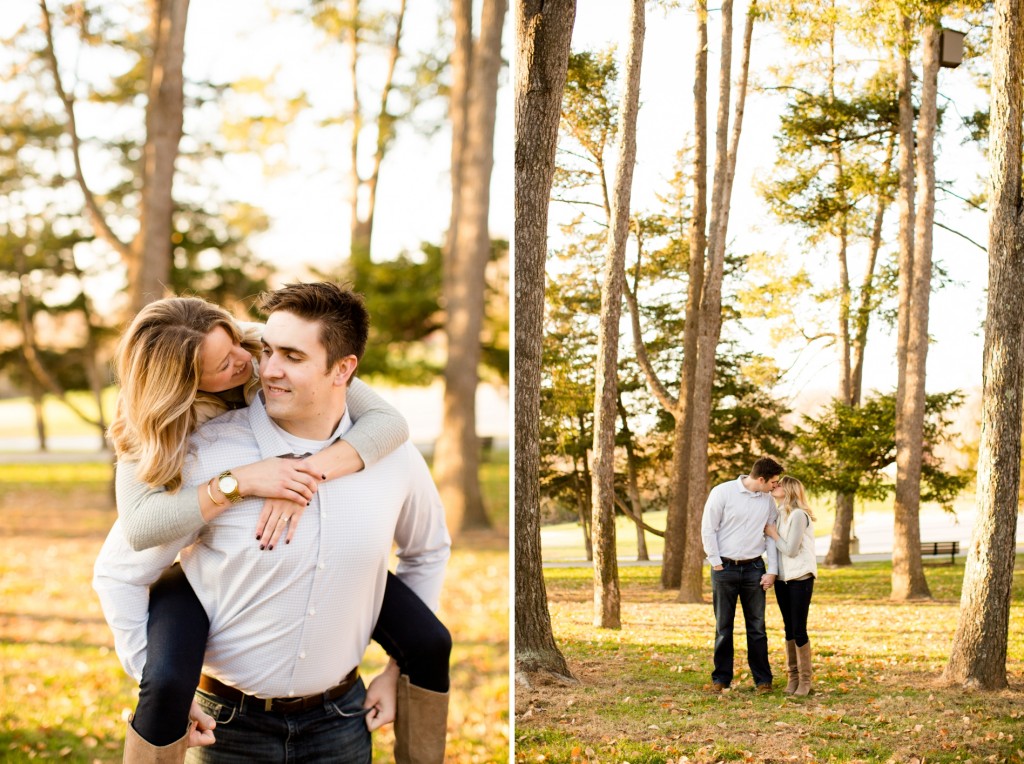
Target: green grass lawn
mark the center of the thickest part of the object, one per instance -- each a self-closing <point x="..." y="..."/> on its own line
<point x="63" y="694"/>
<point x="643" y="690"/>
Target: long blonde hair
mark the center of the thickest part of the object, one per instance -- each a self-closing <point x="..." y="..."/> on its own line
<point x="158" y="366"/>
<point x="795" y="497"/>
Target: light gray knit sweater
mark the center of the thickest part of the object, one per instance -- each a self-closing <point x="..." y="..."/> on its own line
<point x="152" y="516"/>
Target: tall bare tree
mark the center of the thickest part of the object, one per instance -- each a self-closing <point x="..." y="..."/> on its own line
<point x="676" y="520"/>
<point x="457" y="454"/>
<point x="363" y="188"/>
<point x="148" y="254"/>
<point x="908" y="581"/>
<point x="978" y="657"/>
<point x="606" y="569"/>
<point x="543" y="34"/>
<point x="691" y="410"/>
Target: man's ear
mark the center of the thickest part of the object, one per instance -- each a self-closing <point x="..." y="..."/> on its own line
<point x="344" y="369"/>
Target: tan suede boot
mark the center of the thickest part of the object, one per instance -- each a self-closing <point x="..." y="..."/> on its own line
<point x="791" y="667"/>
<point x="138" y="750"/>
<point x="421" y="724"/>
<point x="803" y="661"/>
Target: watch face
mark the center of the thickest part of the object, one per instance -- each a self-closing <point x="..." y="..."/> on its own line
<point x="227" y="484"/>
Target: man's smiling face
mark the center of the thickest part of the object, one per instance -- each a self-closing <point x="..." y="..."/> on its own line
<point x="302" y="394"/>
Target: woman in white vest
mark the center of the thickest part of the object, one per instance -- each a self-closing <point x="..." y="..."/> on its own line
<point x="798" y="567"/>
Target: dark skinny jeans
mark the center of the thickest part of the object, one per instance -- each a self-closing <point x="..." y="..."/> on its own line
<point x="178" y="627"/>
<point x="794" y="598"/>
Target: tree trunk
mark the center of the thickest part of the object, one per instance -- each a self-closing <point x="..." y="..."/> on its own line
<point x="633" y="486"/>
<point x="676" y="525"/>
<point x="583" y="507"/>
<point x="37" y="409"/>
<point x="908" y="581"/>
<point x="585" y="491"/>
<point x="606" y="570"/>
<point x="359" y="231"/>
<point x="149" y="272"/>
<point x="905" y="166"/>
<point x="543" y="33"/>
<point x="839" y="545"/>
<point x="867" y="289"/>
<point x="978" y="657"/>
<point x="459" y="66"/>
<point x="363" y="190"/>
<point x="457" y="456"/>
<point x="709" y="330"/>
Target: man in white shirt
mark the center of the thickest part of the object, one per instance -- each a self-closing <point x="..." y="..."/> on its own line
<point x="288" y="630"/>
<point x="732" y="529"/>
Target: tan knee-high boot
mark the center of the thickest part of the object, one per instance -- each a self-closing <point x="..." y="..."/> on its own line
<point x="138" y="750"/>
<point x="421" y="724"/>
<point x="803" y="661"/>
<point x="791" y="667"/>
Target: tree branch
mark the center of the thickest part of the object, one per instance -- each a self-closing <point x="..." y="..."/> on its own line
<point x="657" y="388"/>
<point x="629" y="513"/>
<point x="961" y="235"/>
<point x="98" y="218"/>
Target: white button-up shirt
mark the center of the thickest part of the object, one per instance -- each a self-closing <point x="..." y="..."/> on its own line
<point x="733" y="524"/>
<point x="294" y="620"/>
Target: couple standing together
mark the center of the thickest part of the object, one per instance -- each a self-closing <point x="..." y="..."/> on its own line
<point x="227" y="435"/>
<point x="760" y="513"/>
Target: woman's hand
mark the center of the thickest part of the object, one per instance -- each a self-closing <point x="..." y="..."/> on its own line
<point x="769" y="530"/>
<point x="382" y="697"/>
<point x="278" y="514"/>
<point x="200" y="731"/>
<point x="277" y="478"/>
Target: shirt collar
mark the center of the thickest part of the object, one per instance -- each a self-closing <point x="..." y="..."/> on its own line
<point x="744" y="489"/>
<point x="269" y="438"/>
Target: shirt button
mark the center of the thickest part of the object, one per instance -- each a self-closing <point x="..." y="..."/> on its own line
<point x="312" y="611"/>
<point x="320" y="565"/>
<point x="323" y="515"/>
<point x="302" y="655"/>
<point x="291" y="693"/>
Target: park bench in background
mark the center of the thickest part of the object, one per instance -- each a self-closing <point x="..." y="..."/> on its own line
<point x="941" y="547"/>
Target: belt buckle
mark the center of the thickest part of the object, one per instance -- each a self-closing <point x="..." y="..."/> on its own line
<point x="267" y="703"/>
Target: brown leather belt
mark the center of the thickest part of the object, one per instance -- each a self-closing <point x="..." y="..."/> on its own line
<point x="279" y="705"/>
<point x="740" y="562"/>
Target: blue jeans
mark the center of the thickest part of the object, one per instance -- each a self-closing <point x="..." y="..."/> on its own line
<point x="247" y="734"/>
<point x="794" y="600"/>
<point x="741" y="582"/>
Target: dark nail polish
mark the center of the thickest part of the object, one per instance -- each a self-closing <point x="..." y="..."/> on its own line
<point x="324" y="477"/>
<point x="271" y="547"/>
<point x="262" y="547"/>
<point x="287" y="541"/>
<point x="259" y="536"/>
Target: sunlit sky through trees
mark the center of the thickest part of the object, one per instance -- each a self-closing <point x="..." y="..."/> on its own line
<point x="666" y="124"/>
<point x="301" y="183"/>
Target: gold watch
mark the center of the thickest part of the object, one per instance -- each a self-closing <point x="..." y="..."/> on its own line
<point x="228" y="485"/>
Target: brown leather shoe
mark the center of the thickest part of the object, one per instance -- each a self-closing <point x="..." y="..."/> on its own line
<point x="717" y="687"/>
<point x="763" y="689"/>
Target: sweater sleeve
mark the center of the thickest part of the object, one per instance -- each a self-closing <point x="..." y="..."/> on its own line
<point x="153" y="516"/>
<point x="377" y="426"/>
<point x="790" y="545"/>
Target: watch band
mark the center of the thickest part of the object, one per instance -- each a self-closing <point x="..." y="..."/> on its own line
<point x="233" y="495"/>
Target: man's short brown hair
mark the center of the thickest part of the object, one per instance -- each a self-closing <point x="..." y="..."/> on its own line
<point x="766" y="468"/>
<point x="341" y="313"/>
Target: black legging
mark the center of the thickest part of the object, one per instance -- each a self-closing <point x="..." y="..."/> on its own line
<point x="178" y="627"/>
<point x="794" y="598"/>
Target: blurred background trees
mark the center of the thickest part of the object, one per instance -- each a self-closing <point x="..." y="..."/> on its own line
<point x="117" y="186"/>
